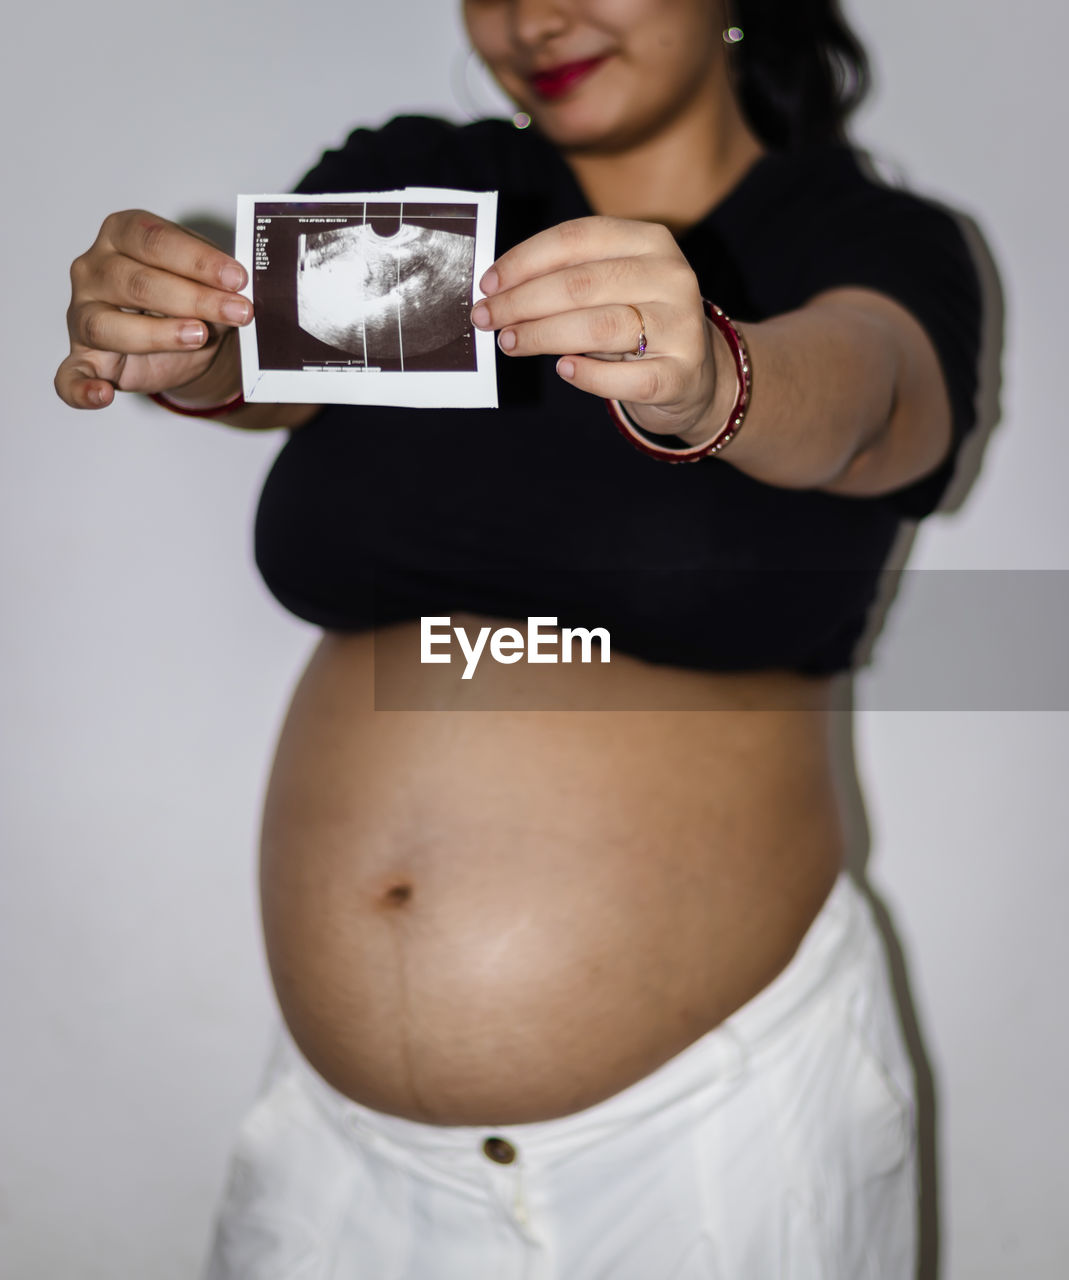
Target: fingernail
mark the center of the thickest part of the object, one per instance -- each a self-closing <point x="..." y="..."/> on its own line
<point x="96" y="396"/>
<point x="489" y="283"/>
<point x="566" y="368"/>
<point x="236" y="309"/>
<point x="507" y="340"/>
<point x="232" y="276"/>
<point x="191" y="334"/>
<point x="480" y="316"/>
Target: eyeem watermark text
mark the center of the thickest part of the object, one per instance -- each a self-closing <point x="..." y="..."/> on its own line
<point x="543" y="643"/>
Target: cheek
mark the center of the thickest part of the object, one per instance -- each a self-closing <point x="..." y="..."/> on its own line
<point x="684" y="42"/>
<point x="626" y="14"/>
<point x="661" y="23"/>
<point x="487" y="28"/>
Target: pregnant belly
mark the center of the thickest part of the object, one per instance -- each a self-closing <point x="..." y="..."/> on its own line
<point x="479" y="917"/>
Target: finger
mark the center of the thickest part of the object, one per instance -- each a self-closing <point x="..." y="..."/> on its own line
<point x="156" y="242"/>
<point x="128" y="283"/>
<point x="658" y="381"/>
<point x="569" y="243"/>
<point x="591" y="284"/>
<point x="105" y="328"/>
<point x="78" y="384"/>
<point x="610" y="330"/>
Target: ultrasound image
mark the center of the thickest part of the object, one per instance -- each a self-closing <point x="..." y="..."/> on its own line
<point x="381" y="297"/>
<point x="382" y="287"/>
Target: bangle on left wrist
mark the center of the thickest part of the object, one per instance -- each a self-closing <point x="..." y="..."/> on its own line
<point x="744" y="389"/>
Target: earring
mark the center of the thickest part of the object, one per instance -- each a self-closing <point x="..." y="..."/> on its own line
<point x="478" y="94"/>
<point x="732" y="35"/>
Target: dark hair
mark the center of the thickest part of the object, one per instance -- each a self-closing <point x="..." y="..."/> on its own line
<point x="800" y="70"/>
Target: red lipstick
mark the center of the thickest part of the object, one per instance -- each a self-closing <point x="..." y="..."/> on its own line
<point x="557" y="81"/>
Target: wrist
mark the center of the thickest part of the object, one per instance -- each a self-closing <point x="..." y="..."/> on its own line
<point x="218" y="386"/>
<point x="701" y="440"/>
<point x="725" y="389"/>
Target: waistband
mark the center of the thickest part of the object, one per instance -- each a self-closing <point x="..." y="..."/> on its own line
<point x="841" y="931"/>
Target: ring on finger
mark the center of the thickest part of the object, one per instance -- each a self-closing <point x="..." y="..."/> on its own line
<point x="640" y="348"/>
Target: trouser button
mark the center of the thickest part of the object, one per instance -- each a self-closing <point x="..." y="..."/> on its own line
<point x="499" y="1150"/>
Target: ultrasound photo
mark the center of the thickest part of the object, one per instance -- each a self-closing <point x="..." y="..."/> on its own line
<point x="396" y="284"/>
<point x="366" y="299"/>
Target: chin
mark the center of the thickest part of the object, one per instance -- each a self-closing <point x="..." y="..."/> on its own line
<point x="600" y="138"/>
<point x="573" y="129"/>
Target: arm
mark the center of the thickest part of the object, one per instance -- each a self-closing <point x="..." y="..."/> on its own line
<point x="156" y="308"/>
<point x="850" y="398"/>
<point x="848" y="394"/>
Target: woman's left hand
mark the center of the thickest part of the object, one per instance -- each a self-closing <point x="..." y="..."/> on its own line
<point x="570" y="290"/>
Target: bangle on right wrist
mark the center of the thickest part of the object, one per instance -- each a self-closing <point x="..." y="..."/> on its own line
<point x="203" y="411"/>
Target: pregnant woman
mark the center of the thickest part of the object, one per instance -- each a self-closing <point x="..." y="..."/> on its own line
<point x="572" y="981"/>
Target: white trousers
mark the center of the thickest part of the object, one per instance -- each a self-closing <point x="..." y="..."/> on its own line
<point x="779" y="1146"/>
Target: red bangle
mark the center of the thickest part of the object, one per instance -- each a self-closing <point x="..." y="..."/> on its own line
<point x="695" y="453"/>
<point x="209" y="411"/>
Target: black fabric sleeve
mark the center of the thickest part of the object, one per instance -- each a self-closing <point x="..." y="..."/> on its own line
<point x="354" y="166"/>
<point x="914" y="252"/>
<point x="407" y="151"/>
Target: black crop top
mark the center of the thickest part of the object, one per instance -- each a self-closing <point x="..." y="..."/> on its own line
<point x="540" y="507"/>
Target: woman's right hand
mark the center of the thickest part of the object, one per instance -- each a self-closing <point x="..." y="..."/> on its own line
<point x="150" y="306"/>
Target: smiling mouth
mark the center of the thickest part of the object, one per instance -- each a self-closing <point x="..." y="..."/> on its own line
<point x="558" y="81"/>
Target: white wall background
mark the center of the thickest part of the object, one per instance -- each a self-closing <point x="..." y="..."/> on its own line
<point x="144" y="670"/>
